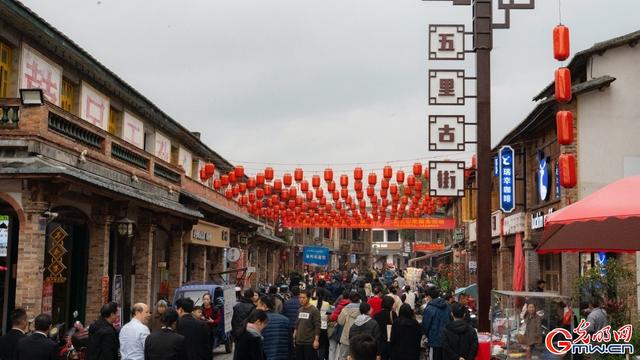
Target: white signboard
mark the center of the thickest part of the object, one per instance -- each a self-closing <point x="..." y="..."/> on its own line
<point x="446" y="133"/>
<point x="133" y="130"/>
<point x="538" y="219"/>
<point x="38" y="72"/>
<point x="473" y="234"/>
<point x="162" y="147"/>
<point x="446" y="87"/>
<point x="446" y="178"/>
<point x="496" y="223"/>
<point x="446" y="42"/>
<point x="94" y="106"/>
<point x="185" y="159"/>
<point x="229" y="294"/>
<point x="513" y="224"/>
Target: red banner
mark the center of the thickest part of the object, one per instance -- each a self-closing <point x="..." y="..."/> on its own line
<point x="47" y="297"/>
<point x="413" y="224"/>
<point x="428" y="247"/>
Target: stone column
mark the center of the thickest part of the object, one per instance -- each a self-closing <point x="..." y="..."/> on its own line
<point x="144" y="261"/>
<point x="505" y="268"/>
<point x="532" y="265"/>
<point x="176" y="259"/>
<point x="197" y="263"/>
<point x="31" y="249"/>
<point x="570" y="271"/>
<point x="98" y="263"/>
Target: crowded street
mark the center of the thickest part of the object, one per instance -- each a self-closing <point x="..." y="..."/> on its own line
<point x="335" y="180"/>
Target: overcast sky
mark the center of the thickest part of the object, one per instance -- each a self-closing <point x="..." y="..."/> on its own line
<point x="320" y="82"/>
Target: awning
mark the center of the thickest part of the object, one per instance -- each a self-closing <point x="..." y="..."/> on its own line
<point x="428" y="256"/>
<point x="607" y="220"/>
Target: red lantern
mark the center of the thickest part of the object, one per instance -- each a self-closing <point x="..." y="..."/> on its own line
<point x="336" y="196"/>
<point x="418" y="187"/>
<point x="298" y="174"/>
<point x="268" y="190"/>
<point x="426" y="173"/>
<point x="277" y="185"/>
<point x="269" y="174"/>
<point x="315" y="181"/>
<point x="203" y="175"/>
<point x="567" y="167"/>
<point x="387" y="172"/>
<point x="243" y="187"/>
<point x="293" y="192"/>
<point x="417" y="169"/>
<point x="224" y="179"/>
<point x="384" y="184"/>
<point x="411" y="180"/>
<point x="359" y="195"/>
<point x="563" y="85"/>
<point x="373" y="179"/>
<point x="344" y="181"/>
<point x="260" y="179"/>
<point x="217" y="184"/>
<point x="383" y="193"/>
<point x="357" y="186"/>
<point x="209" y="169"/>
<point x="259" y="193"/>
<point x="344" y="193"/>
<point x="400" y="176"/>
<point x="328" y="174"/>
<point x="393" y="189"/>
<point x="331" y="186"/>
<point x="309" y="195"/>
<point x="239" y="171"/>
<point x="232" y="177"/>
<point x="284" y="195"/>
<point x="236" y="190"/>
<point x="358" y="174"/>
<point x="251" y="183"/>
<point x="564" y="127"/>
<point x="407" y="191"/>
<point x="319" y="193"/>
<point x="371" y="191"/>
<point x="304" y="186"/>
<point x="228" y="194"/>
<point x="287" y="180"/>
<point x="561" y="43"/>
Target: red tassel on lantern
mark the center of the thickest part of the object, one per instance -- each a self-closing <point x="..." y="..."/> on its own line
<point x="567" y="167"/>
<point x="564" y="127"/>
<point x="561" y="43"/>
<point x="563" y="85"/>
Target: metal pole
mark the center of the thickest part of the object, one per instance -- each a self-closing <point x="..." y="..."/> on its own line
<point x="483" y="41"/>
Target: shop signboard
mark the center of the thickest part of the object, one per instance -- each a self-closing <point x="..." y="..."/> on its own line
<point x="426" y="247"/>
<point x="208" y="234"/>
<point x="229" y="293"/>
<point x="507" y="179"/>
<point x="47" y="297"/>
<point x="539" y="218"/>
<point x="316" y="255"/>
<point x="513" y="224"/>
<point x="543" y="175"/>
<point x="557" y="181"/>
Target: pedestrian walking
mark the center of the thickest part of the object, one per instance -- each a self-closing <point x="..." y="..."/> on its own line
<point x="597" y="317"/>
<point x="364" y="324"/>
<point x="250" y="344"/>
<point x="385" y="319"/>
<point x="321" y="302"/>
<point x="166" y="343"/>
<point x="103" y="339"/>
<point x="346" y="319"/>
<point x="460" y="339"/>
<point x="334" y="330"/>
<point x="363" y="347"/>
<point x="406" y="335"/>
<point x="156" y="319"/>
<point x="198" y="338"/>
<point x="409" y="297"/>
<point x="435" y="318"/>
<point x="9" y="341"/>
<point x="38" y="346"/>
<point x="291" y="308"/>
<point x="397" y="302"/>
<point x="134" y="333"/>
<point x="307" y="332"/>
<point x="241" y="312"/>
<point x="277" y="334"/>
<point x="376" y="301"/>
<point x="277" y="301"/>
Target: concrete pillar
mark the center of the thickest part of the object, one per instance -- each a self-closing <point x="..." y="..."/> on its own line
<point x="176" y="260"/>
<point x="98" y="263"/>
<point x="570" y="271"/>
<point x="143" y="244"/>
<point x="532" y="265"/>
<point x="197" y="262"/>
<point x="505" y="268"/>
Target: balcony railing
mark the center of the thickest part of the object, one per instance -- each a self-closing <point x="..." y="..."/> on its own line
<point x="166" y="173"/>
<point x="65" y="127"/>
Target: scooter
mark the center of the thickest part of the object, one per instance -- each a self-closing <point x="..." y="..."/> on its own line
<point x="76" y="341"/>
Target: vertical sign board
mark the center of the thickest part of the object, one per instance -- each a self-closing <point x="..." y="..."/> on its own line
<point x="316" y="255"/>
<point x="507" y="179"/>
<point x="117" y="297"/>
<point x="229" y="293"/>
<point x="47" y="297"/>
<point x="557" y="181"/>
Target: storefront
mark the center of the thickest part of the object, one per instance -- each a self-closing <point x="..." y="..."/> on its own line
<point x="206" y="251"/>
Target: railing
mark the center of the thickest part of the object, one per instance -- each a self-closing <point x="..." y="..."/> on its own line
<point x="165" y="173"/>
<point x="10" y="115"/>
<point x="65" y="127"/>
<point x="122" y="153"/>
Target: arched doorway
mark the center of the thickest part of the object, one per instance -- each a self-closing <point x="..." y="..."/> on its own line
<point x="65" y="266"/>
<point x="9" y="232"/>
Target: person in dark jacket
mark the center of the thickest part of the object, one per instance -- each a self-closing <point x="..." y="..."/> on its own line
<point x="278" y="343"/>
<point x="385" y="319"/>
<point x="9" y="341"/>
<point x="405" y="335"/>
<point x="363" y="347"/>
<point x="460" y="341"/>
<point x="241" y="312"/>
<point x="364" y="324"/>
<point x="38" y="346"/>
<point x="250" y="344"/>
<point x="103" y="339"/>
<point x="436" y="316"/>
<point x="198" y="338"/>
<point x="165" y="344"/>
<point x="291" y="308"/>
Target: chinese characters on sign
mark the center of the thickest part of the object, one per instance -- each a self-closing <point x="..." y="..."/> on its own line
<point x="507" y="179"/>
<point x="37" y="72"/>
<point x="446" y="178"/>
<point x="316" y="255"/>
<point x="57" y="251"/>
<point x="94" y="107"/>
<point x="163" y="147"/>
<point x="446" y="133"/>
<point x="446" y="42"/>
<point x="133" y="130"/>
<point x="186" y="161"/>
<point x="446" y="87"/>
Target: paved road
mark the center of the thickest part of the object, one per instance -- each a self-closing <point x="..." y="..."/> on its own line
<point x="219" y="354"/>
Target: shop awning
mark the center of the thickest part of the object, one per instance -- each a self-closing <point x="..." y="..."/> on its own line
<point x="607" y="220"/>
<point x="428" y="256"/>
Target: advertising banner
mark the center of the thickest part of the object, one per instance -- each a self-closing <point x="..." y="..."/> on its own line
<point x="316" y="255"/>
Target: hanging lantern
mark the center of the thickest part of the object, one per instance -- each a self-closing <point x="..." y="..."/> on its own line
<point x="426" y="173"/>
<point x="236" y="190"/>
<point x="287" y="180"/>
<point x="400" y="176"/>
<point x="293" y="192"/>
<point x="203" y="175"/>
<point x="252" y="197"/>
<point x="284" y="195"/>
<point x="371" y="191"/>
<point x="251" y="183"/>
<point x="243" y="187"/>
<point x="357" y="185"/>
<point x="418" y="187"/>
<point x="383" y="193"/>
<point x="387" y="172"/>
<point x="358" y="174"/>
<point x="563" y="85"/>
<point x="268" y="190"/>
<point x="259" y="193"/>
<point x="232" y="177"/>
<point x="228" y="194"/>
<point x="277" y="185"/>
<point x="564" y="127"/>
<point x="335" y="196"/>
<point x="344" y="180"/>
<point x="393" y="189"/>
<point x="384" y="184"/>
<point x="299" y="200"/>
<point x="417" y="169"/>
<point x="561" y="43"/>
<point x="359" y="195"/>
<point x="217" y="184"/>
<point x="407" y="191"/>
<point x="328" y="174"/>
<point x="373" y="179"/>
<point x="323" y="202"/>
<point x="239" y="171"/>
<point x="567" y="167"/>
<point x="269" y="174"/>
<point x="298" y="174"/>
<point x="319" y="193"/>
<point x="384" y="203"/>
<point x="209" y="169"/>
<point x="344" y="193"/>
<point x="411" y="181"/>
<point x="331" y="186"/>
<point x="304" y="186"/>
<point x="224" y="179"/>
<point x="260" y="179"/>
<point x="309" y="195"/>
<point x="315" y="181"/>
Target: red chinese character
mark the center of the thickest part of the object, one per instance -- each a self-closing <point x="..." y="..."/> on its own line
<point x="446" y="42"/>
<point x="447" y="87"/>
<point x="624" y="333"/>
<point x="581" y="331"/>
<point x="95" y="112"/>
<point x="602" y="335"/>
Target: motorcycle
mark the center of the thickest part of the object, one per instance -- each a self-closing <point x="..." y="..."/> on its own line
<point x="76" y="341"/>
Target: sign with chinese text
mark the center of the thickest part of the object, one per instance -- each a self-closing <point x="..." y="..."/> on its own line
<point x="405" y="223"/>
<point x="446" y="133"/>
<point x="207" y="234"/>
<point x="557" y="181"/>
<point x="57" y="250"/>
<point x="94" y="106"/>
<point x="163" y="147"/>
<point x="133" y="130"/>
<point x="426" y="247"/>
<point x="185" y="159"/>
<point x="316" y="255"/>
<point x="105" y="289"/>
<point x="446" y="178"/>
<point x="446" y="42"/>
<point x="446" y="87"/>
<point x="513" y="224"/>
<point x="38" y="72"/>
<point x="507" y="179"/>
<point x="47" y="297"/>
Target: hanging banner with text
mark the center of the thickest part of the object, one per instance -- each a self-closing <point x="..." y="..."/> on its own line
<point x="412" y="224"/>
<point x="426" y="247"/>
<point x="316" y="255"/>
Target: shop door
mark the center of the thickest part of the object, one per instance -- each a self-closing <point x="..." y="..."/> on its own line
<point x="9" y="230"/>
<point x="120" y="270"/>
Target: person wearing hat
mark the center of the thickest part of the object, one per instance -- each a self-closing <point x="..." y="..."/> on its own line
<point x="156" y="320"/>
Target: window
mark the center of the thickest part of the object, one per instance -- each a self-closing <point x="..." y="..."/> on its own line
<point x="115" y="122"/>
<point x="551" y="271"/>
<point x="68" y="96"/>
<point x="392" y="236"/>
<point x="378" y="236"/>
<point x="327" y="233"/>
<point x="5" y="68"/>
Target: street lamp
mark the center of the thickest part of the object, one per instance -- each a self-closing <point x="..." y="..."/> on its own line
<point x="125" y="227"/>
<point x="31" y="96"/>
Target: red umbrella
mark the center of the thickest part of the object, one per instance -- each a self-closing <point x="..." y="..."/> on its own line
<point x="607" y="220"/>
<point x="518" y="264"/>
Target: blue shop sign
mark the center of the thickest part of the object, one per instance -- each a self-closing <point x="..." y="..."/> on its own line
<point x="316" y="255"/>
<point x="507" y="179"/>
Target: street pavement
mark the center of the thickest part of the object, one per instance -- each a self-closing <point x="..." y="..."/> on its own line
<point x="219" y="354"/>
